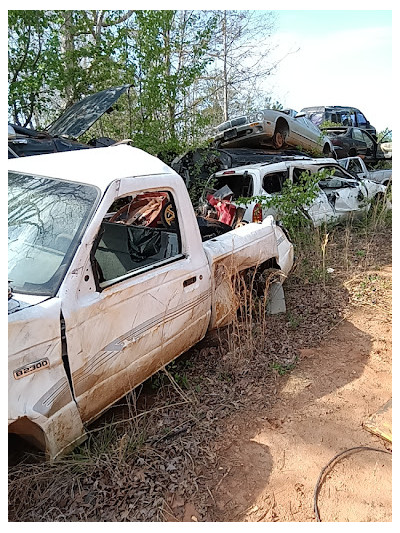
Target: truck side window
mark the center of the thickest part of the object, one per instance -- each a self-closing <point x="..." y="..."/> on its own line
<point x="137" y="232"/>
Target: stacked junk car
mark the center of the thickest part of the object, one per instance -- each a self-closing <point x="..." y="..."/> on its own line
<point x="253" y="156"/>
<point x="113" y="273"/>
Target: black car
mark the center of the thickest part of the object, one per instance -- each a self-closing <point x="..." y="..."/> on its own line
<point x="61" y="136"/>
<point x="348" y="116"/>
<point x="350" y="142"/>
<point x="198" y="165"/>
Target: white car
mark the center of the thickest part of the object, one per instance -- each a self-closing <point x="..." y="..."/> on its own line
<point x="387" y="149"/>
<point x="270" y="127"/>
<point x="340" y="195"/>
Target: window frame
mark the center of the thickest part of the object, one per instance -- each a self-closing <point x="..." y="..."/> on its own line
<point x="102" y="285"/>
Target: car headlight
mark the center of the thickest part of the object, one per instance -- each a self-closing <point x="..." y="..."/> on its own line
<point x="256" y="117"/>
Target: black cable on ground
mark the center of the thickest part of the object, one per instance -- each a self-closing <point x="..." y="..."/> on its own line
<point x="317" y="486"/>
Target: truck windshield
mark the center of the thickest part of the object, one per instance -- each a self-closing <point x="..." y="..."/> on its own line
<point x="46" y="219"/>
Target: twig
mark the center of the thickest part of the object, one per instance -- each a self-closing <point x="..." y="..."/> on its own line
<point x="222" y="479"/>
<point x="283" y="462"/>
<point x="334" y="326"/>
<point x="210" y="493"/>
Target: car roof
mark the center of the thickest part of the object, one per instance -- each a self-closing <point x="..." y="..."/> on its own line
<point x="333" y="107"/>
<point x="98" y="166"/>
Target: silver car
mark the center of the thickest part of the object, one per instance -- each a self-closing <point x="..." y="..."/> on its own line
<point x="270" y="127"/>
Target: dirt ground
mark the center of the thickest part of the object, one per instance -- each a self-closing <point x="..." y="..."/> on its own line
<point x="269" y="471"/>
<point x="243" y="436"/>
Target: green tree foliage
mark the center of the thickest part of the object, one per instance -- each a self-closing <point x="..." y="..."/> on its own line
<point x="32" y="63"/>
<point x="57" y="57"/>
<point x="385" y="135"/>
<point x="180" y="65"/>
<point x="169" y="55"/>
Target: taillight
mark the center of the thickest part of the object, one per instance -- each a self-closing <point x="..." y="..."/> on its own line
<point x="257" y="213"/>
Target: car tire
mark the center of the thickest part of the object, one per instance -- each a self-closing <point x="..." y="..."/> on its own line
<point x="280" y="135"/>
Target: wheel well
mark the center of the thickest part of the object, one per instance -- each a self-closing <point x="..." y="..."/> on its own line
<point x="282" y="125"/>
<point x="29" y="431"/>
<point x="327" y="150"/>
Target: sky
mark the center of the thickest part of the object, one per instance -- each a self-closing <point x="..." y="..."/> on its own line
<point x="335" y="57"/>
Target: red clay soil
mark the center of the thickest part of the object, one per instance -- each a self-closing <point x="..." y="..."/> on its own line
<point x="272" y="460"/>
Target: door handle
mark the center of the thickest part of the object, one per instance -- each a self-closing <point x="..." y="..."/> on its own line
<point x="189" y="281"/>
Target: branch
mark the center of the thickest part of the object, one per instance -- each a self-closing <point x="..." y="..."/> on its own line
<point x="21" y="64"/>
<point x="123" y="18"/>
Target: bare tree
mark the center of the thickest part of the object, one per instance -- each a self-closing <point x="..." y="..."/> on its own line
<point x="240" y="59"/>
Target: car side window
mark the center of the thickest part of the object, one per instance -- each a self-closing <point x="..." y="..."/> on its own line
<point x="346" y="119"/>
<point x="357" y="135"/>
<point x="368" y="141"/>
<point x="361" y="120"/>
<point x="138" y="232"/>
<point x="273" y="183"/>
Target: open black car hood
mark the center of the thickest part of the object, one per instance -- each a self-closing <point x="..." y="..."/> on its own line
<point x="80" y="116"/>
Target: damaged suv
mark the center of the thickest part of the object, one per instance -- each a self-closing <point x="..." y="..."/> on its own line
<point x="340" y="195"/>
<point x="347" y="116"/>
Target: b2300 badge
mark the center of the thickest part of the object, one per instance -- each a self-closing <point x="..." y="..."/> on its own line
<point x="32" y="367"/>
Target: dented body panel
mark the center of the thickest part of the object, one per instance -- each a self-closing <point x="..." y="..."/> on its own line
<point x="137" y="293"/>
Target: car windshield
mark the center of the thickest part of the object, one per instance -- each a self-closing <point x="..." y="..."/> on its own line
<point x="46" y="219"/>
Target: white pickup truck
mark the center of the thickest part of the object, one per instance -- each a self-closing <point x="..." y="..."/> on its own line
<point x="356" y="166"/>
<point x="109" y="280"/>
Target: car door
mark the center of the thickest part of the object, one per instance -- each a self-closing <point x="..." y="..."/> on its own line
<point x="143" y="295"/>
<point x="359" y="143"/>
<point x="371" y="145"/>
<point x="304" y="132"/>
<point x="354" y="166"/>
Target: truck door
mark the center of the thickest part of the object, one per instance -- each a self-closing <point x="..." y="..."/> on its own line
<point x="143" y="297"/>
